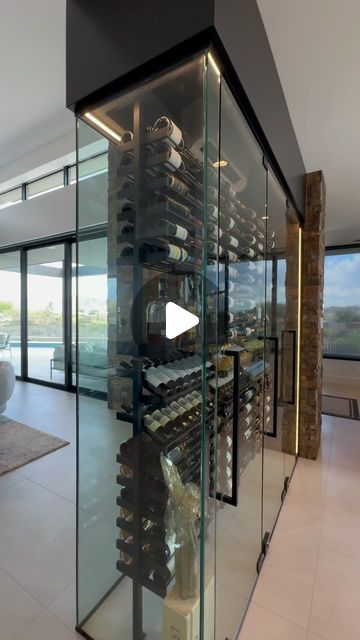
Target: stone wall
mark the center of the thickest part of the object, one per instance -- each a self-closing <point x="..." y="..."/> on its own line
<point x="290" y="325"/>
<point x="313" y="253"/>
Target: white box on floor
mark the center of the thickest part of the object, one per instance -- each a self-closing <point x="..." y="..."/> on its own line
<point x="181" y="618"/>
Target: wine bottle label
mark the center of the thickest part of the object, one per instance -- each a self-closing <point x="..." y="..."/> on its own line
<point x="177" y="185"/>
<point x="175" y="134"/>
<point x="174" y="160"/>
<point x="177" y="407"/>
<point x="212" y="212"/>
<point x="181" y="232"/>
<point x="170" y="413"/>
<point x="151" y="424"/>
<point x="247" y="434"/>
<point x="156" y="379"/>
<point x="175" y="252"/>
<point x="232" y="256"/>
<point x="233" y="242"/>
<point x="183" y="255"/>
<point x="161" y="418"/>
<point x="185" y="404"/>
<point x="167" y="372"/>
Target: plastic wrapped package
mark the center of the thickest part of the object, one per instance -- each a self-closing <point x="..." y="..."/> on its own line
<point x="182" y="514"/>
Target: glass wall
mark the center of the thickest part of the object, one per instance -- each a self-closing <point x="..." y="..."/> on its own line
<point x="10" y="301"/>
<point x="187" y="342"/>
<point x="341" y="308"/>
<point x="37" y="325"/>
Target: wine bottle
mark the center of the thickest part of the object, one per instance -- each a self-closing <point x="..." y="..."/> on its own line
<point x="126" y="227"/>
<point x="231" y="256"/>
<point x="250" y="214"/>
<point x="174" y="135"/>
<point x="125" y="249"/>
<point x="248" y="252"/>
<point x="247" y="225"/>
<point x="230" y="241"/>
<point x="213" y="195"/>
<point x="240" y="332"/>
<point x="213" y="213"/>
<point x="127" y="136"/>
<point x="156" y="314"/>
<point x="178" y="186"/>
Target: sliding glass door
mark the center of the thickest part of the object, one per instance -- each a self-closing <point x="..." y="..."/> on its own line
<point x="45" y="313"/>
<point x="10" y="296"/>
<point x="37" y="328"/>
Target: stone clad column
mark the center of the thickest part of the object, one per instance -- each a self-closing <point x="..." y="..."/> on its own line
<point x="311" y="373"/>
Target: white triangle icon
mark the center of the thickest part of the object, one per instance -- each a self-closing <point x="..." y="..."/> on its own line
<point x="178" y="320"/>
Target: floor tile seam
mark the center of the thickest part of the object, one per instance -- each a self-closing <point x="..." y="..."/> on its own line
<point x="56" y="616"/>
<point x="324" y="547"/>
<point x="60" y="594"/>
<point x="235" y="593"/>
<point x="67" y="457"/>
<point x="9" y="575"/>
<point x="29" y="623"/>
<point x="38" y="484"/>
<point x="278" y="615"/>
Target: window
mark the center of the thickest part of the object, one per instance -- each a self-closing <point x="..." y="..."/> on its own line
<point x="10" y="197"/>
<point x="89" y="168"/>
<point x="45" y="185"/>
<point x="342" y="303"/>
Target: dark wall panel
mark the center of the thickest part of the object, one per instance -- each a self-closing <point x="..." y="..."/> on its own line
<point x="107" y="39"/>
<point x="240" y="27"/>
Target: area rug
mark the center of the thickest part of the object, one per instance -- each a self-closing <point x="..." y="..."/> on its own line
<point x="20" y="444"/>
<point x="340" y="407"/>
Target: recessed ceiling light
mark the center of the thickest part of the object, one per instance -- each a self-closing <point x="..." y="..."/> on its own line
<point x="103" y="126"/>
<point x="220" y="163"/>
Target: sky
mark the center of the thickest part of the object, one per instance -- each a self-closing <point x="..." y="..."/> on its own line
<point x="342" y="280"/>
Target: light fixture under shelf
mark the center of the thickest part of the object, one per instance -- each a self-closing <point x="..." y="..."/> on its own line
<point x="220" y="163"/>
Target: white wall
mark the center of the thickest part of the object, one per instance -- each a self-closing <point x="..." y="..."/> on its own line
<point x="345" y="372"/>
<point x="47" y="215"/>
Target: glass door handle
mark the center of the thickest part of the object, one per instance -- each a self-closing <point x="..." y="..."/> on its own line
<point x="232" y="498"/>
<point x="288" y="396"/>
<point x="275" y="340"/>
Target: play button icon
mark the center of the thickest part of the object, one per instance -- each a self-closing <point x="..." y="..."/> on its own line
<point x="178" y="320"/>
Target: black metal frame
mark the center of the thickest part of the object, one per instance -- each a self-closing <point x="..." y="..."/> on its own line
<point x="68" y="240"/>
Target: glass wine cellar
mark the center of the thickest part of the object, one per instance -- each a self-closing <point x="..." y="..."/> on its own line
<point x="188" y="334"/>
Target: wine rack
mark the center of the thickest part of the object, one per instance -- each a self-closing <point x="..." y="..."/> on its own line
<point x="157" y="196"/>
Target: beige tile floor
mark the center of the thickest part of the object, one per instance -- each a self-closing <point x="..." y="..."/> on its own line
<point x="309" y="588"/>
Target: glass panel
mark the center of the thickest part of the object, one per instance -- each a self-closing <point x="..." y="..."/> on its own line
<point x="92" y="315"/>
<point x="281" y="350"/>
<point x="10" y="197"/>
<point x="45" y="185"/>
<point x="10" y="286"/>
<point x="274" y="458"/>
<point x="240" y="365"/>
<point x="341" y="311"/>
<point x="142" y="443"/>
<point x="210" y="351"/>
<point x="45" y="285"/>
